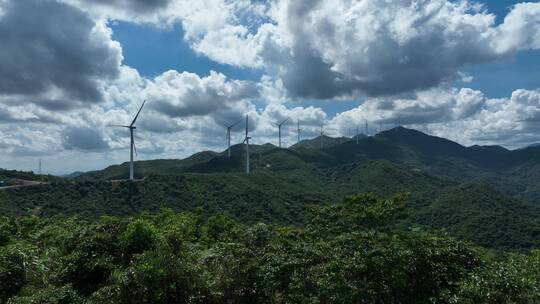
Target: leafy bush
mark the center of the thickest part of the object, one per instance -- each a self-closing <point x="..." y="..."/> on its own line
<point x="12" y="273"/>
<point x="7" y="230"/>
<point x="514" y="279"/>
<point x="221" y="228"/>
<point x="53" y="295"/>
<point x="349" y="252"/>
<point x="159" y="277"/>
<point x="139" y="236"/>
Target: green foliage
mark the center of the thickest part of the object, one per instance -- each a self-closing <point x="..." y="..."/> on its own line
<point x="178" y="229"/>
<point x="12" y="272"/>
<point x="483" y="216"/>
<point x="515" y="279"/>
<point x="469" y="212"/>
<point x="159" y="277"/>
<point x="221" y="228"/>
<point x="357" y="212"/>
<point x="349" y="252"/>
<point x="7" y="230"/>
<point x="14" y="177"/>
<point x="54" y="295"/>
<point x="140" y="236"/>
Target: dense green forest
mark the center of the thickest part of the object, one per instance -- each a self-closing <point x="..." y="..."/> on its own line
<point x="467" y="211"/>
<point x="348" y="251"/>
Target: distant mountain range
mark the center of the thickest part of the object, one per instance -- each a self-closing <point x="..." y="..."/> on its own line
<point x="486" y="194"/>
<point x="532" y="145"/>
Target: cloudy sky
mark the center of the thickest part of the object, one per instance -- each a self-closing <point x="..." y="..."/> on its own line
<point x="465" y="70"/>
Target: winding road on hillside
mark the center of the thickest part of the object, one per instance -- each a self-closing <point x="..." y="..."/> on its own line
<point x="24" y="183"/>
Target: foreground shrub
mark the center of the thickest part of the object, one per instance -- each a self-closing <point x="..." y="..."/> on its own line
<point x="349" y="252"/>
<point x="12" y="273"/>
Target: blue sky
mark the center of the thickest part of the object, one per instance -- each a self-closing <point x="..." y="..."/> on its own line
<point x="153" y="50"/>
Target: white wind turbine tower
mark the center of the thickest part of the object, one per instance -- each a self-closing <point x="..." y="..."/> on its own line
<point x="131" y="128"/>
<point x="367" y="130"/>
<point x="229" y="127"/>
<point x="298" y="130"/>
<point x="357" y="134"/>
<point x="322" y="135"/>
<point x="246" y="141"/>
<point x="279" y="129"/>
<point x="40" y="173"/>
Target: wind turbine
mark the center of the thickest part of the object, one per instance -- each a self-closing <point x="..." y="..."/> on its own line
<point x="322" y="135"/>
<point x="246" y="141"/>
<point x="40" y="173"/>
<point x="279" y="129"/>
<point x="298" y="130"/>
<point x="357" y="134"/>
<point x="229" y="127"/>
<point x="367" y="130"/>
<point x="131" y="128"/>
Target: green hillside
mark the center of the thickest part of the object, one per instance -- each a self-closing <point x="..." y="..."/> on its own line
<point x="14" y="177"/>
<point x="144" y="168"/>
<point x="199" y="162"/>
<point x="483" y="194"/>
<point x="514" y="173"/>
<point x="279" y="195"/>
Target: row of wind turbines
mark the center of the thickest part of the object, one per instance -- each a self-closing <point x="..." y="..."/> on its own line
<point x="279" y="125"/>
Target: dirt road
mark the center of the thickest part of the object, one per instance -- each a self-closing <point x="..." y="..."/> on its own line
<point x="24" y="183"/>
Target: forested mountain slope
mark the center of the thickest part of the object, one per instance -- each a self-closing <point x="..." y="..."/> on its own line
<point x="451" y="187"/>
<point x="515" y="173"/>
<point x="471" y="212"/>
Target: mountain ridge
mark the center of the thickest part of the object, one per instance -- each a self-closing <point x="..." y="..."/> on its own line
<point x="506" y="170"/>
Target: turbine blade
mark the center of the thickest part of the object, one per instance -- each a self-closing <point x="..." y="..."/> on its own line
<point x="234" y="124"/>
<point x="284" y="121"/>
<point x="136" y="116"/>
<point x="118" y="126"/>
